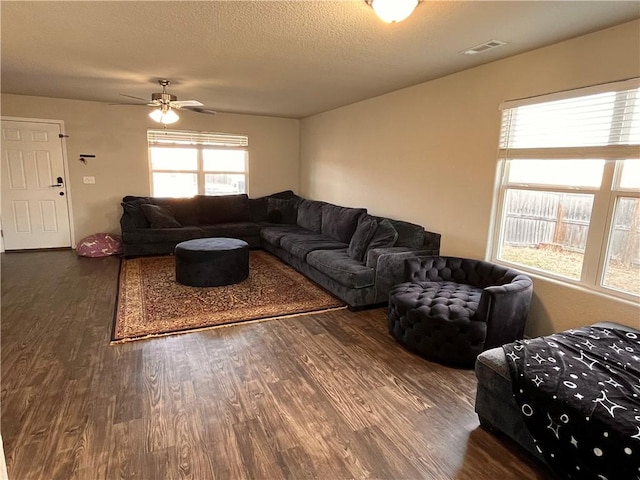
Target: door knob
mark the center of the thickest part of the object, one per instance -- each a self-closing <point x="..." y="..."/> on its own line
<point x="59" y="184"/>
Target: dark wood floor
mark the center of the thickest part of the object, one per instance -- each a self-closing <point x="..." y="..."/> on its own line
<point x="325" y="396"/>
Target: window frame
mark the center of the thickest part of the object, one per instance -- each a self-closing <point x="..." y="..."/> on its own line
<point x="605" y="197"/>
<point x="195" y="143"/>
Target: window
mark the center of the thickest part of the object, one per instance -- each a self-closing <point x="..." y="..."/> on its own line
<point x="568" y="202"/>
<point x="184" y="164"/>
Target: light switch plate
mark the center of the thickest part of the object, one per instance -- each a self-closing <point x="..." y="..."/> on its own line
<point x="90" y="180"/>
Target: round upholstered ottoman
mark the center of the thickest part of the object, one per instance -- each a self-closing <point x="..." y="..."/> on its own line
<point x="438" y="320"/>
<point x="212" y="262"/>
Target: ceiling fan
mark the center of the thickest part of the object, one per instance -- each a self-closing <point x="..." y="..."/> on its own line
<point x="165" y="105"/>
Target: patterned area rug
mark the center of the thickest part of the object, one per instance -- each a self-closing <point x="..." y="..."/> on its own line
<point x="151" y="303"/>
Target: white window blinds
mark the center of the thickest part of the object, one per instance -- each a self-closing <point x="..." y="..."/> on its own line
<point x="605" y="122"/>
<point x="184" y="138"/>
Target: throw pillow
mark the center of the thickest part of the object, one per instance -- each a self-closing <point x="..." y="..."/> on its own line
<point x="99" y="245"/>
<point x="159" y="217"/>
<point x="282" y="211"/>
<point x="384" y="237"/>
<point x="362" y="237"/>
<point x="132" y="208"/>
<point x="184" y="210"/>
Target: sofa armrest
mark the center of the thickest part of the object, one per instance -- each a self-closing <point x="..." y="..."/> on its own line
<point x="126" y="223"/>
<point x="389" y="265"/>
<point x="432" y="242"/>
<point x="506" y="308"/>
<point x="373" y="255"/>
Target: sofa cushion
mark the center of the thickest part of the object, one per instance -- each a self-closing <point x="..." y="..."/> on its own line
<point x="337" y="265"/>
<point x="132" y="208"/>
<point x="362" y="237"/>
<point x="274" y="234"/>
<point x="259" y="206"/>
<point x="159" y="217"/>
<point x="136" y="199"/>
<point x="223" y="209"/>
<point x="409" y="234"/>
<point x="448" y="301"/>
<point x="282" y="211"/>
<point x="161" y="235"/>
<point x="231" y="229"/>
<point x="385" y="235"/>
<point x="284" y="195"/>
<point x="185" y="210"/>
<point x="340" y="222"/>
<point x="300" y="244"/>
<point x="258" y="209"/>
<point x="310" y="215"/>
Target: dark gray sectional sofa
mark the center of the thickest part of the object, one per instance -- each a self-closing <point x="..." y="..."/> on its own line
<point x="355" y="256"/>
<point x="495" y="404"/>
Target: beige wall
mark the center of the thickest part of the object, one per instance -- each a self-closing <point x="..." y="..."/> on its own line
<point x="117" y="136"/>
<point x="427" y="154"/>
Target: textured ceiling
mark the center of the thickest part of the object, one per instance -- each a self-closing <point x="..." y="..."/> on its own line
<point x="281" y="58"/>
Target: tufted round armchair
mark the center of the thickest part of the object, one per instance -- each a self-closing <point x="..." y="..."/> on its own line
<point x="451" y="309"/>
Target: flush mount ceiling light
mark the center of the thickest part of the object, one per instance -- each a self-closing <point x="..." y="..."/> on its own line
<point x="393" y="11"/>
<point x="164" y="115"/>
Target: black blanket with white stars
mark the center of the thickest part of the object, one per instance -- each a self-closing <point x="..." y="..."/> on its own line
<point x="579" y="393"/>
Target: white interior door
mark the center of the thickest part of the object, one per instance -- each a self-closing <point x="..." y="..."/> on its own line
<point x="35" y="212"/>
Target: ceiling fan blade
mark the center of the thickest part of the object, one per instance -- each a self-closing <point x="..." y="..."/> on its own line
<point x="185" y="103"/>
<point x="138" y="104"/>
<point x="201" y="110"/>
<point x="137" y="98"/>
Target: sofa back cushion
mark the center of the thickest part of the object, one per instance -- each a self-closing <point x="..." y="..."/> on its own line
<point x="340" y="222"/>
<point x="185" y="210"/>
<point x="409" y="234"/>
<point x="284" y="195"/>
<point x="159" y="216"/>
<point x="367" y="227"/>
<point x="259" y="206"/>
<point x="310" y="215"/>
<point x="282" y="211"/>
<point x="385" y="236"/>
<point x="223" y="209"/>
<point x="131" y="207"/>
<point x="135" y="199"/>
<point x="258" y="209"/>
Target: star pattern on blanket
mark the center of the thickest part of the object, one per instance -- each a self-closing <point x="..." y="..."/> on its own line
<point x="588" y="361"/>
<point x="553" y="426"/>
<point x="580" y="398"/>
<point x="608" y="404"/>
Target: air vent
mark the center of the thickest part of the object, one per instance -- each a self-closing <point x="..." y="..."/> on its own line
<point x="491" y="44"/>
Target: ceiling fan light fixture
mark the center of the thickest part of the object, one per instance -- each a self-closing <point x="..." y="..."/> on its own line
<point x="393" y="11"/>
<point x="166" y="117"/>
